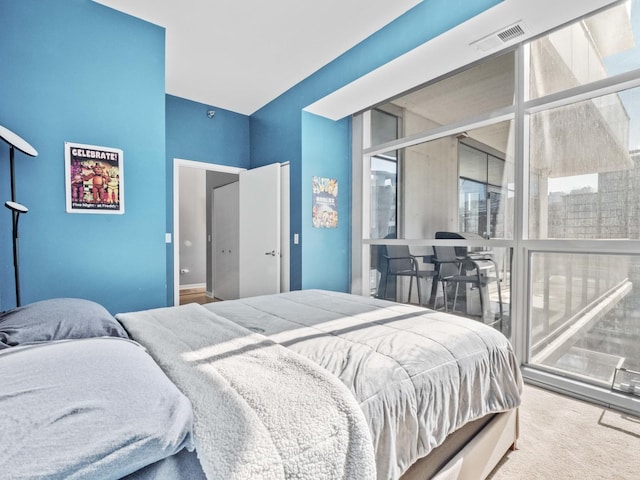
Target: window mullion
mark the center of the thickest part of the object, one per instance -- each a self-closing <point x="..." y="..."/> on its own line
<point x="520" y="283"/>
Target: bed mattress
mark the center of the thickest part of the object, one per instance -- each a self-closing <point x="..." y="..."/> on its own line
<point x="417" y="374"/>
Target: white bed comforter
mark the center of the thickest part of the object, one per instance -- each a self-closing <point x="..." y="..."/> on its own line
<point x="417" y="374"/>
<point x="261" y="411"/>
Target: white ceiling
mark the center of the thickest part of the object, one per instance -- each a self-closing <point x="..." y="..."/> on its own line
<point x="241" y="54"/>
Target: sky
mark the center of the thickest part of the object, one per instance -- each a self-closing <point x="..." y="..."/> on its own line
<point x="625" y="62"/>
<point x="576" y="182"/>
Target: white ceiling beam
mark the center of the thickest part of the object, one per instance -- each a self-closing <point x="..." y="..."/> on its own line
<point x="450" y="51"/>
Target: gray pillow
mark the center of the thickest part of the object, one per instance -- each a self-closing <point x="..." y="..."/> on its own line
<point x="94" y="408"/>
<point x="57" y="319"/>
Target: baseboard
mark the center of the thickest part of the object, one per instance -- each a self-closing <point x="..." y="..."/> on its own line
<point x="193" y="288"/>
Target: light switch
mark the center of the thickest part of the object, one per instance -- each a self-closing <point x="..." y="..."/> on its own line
<point x="296" y="239"/>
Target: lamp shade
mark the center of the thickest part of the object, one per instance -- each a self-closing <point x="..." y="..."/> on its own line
<point x="17" y="142"/>
<point x="16" y="207"/>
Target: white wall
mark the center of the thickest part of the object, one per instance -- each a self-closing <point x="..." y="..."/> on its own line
<point x="193" y="226"/>
<point x="430" y="195"/>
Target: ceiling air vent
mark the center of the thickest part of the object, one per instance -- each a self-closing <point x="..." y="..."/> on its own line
<point x="501" y="37"/>
<point x="511" y="33"/>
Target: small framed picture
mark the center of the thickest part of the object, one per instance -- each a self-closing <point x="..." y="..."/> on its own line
<point x="94" y="179"/>
<point x="325" y="202"/>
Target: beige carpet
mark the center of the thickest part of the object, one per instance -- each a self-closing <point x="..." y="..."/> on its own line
<point x="563" y="438"/>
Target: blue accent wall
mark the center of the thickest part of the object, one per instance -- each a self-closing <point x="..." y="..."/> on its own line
<point x="276" y="137"/>
<point x="76" y="71"/>
<point x="326" y="148"/>
<point x="280" y="132"/>
<point x="192" y="135"/>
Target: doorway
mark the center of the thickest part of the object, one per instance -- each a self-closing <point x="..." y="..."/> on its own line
<point x="216" y="175"/>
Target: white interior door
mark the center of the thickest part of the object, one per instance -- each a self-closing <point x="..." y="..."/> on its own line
<point x="225" y="242"/>
<point x="285" y="225"/>
<point x="260" y="218"/>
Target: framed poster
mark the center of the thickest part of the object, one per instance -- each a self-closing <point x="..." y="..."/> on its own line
<point x="94" y="179"/>
<point x="325" y="202"/>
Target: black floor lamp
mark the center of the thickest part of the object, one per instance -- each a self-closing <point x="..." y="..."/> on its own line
<point x="15" y="142"/>
<point x="16" y="209"/>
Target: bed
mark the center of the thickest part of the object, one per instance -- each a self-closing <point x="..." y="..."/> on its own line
<point x="307" y="384"/>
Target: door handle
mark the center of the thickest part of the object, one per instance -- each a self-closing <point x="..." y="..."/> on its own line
<point x="272" y="253"/>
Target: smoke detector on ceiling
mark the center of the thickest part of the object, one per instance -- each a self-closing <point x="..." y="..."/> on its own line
<point x="501" y="37"/>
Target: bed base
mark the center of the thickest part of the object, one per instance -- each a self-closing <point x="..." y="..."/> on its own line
<point x="469" y="454"/>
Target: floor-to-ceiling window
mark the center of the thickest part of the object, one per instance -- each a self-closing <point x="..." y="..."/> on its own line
<point x="385" y="127"/>
<point x="535" y="151"/>
<point x="456" y="138"/>
<point x="581" y="113"/>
